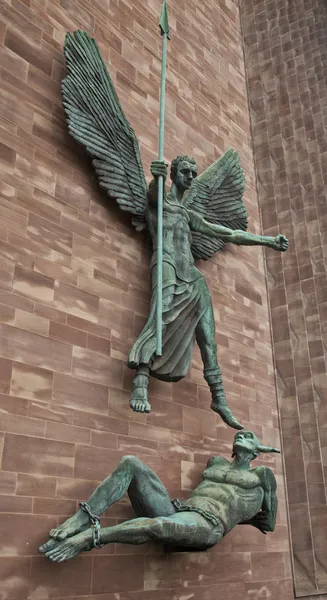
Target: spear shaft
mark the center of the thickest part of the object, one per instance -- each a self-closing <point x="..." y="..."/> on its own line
<point x="164" y="26"/>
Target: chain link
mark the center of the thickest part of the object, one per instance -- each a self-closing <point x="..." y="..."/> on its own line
<point x="95" y="524"/>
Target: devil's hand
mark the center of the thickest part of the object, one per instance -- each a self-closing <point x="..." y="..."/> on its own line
<point x="159" y="167"/>
<point x="280" y="243"/>
<point x="262" y="522"/>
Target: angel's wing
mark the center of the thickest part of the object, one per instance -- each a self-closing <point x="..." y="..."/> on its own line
<point x="216" y="195"/>
<point x="96" y="120"/>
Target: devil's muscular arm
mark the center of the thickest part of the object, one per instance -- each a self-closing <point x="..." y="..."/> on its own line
<point x="265" y="520"/>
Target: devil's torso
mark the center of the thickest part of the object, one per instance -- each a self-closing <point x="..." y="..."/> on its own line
<point x="232" y="495"/>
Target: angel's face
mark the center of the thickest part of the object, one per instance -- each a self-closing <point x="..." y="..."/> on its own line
<point x="186" y="173"/>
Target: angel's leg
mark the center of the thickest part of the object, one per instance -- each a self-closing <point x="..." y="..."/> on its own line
<point x="139" y="358"/>
<point x="205" y="337"/>
<point x="142" y="353"/>
<point x="139" y="399"/>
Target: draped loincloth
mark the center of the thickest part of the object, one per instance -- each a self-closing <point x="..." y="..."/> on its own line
<point x="183" y="307"/>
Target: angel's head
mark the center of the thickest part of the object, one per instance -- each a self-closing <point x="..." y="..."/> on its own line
<point x="183" y="170"/>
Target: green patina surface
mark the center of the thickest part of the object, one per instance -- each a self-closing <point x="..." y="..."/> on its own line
<point x="201" y="213"/>
<point x="230" y="493"/>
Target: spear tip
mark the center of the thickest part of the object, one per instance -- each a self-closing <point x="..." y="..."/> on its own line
<point x="163" y="23"/>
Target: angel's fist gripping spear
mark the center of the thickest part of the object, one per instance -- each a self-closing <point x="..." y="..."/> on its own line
<point x="199" y="215"/>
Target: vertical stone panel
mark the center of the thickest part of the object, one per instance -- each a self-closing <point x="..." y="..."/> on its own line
<point x="286" y="65"/>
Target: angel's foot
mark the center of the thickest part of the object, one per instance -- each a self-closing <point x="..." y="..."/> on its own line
<point x="219" y="404"/>
<point x="69" y="548"/>
<point x="73" y="525"/>
<point x="226" y="414"/>
<point x="139" y="401"/>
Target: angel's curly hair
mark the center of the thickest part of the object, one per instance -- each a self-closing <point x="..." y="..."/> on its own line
<point x="175" y="163"/>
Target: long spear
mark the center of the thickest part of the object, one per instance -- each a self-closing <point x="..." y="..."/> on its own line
<point x="164" y="27"/>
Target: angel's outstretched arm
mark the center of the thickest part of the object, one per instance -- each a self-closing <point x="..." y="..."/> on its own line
<point x="235" y="236"/>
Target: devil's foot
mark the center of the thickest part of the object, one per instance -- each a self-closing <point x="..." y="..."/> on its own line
<point x="69" y="548"/>
<point x="226" y="414"/>
<point x="139" y="401"/>
<point x="49" y="545"/>
<point x="73" y="525"/>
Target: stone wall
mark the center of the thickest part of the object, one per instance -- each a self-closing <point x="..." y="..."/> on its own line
<point x="74" y="295"/>
<point x="286" y="62"/>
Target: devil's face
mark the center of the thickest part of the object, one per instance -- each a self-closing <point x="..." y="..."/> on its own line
<point x="245" y="440"/>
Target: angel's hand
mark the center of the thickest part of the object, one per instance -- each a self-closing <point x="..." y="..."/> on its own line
<point x="280" y="243"/>
<point x="159" y="167"/>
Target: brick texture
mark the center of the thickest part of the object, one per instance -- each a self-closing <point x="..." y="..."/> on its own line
<point x="286" y="62"/>
<point x="74" y="294"/>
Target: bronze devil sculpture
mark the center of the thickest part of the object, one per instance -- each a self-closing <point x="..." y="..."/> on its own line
<point x="230" y="493"/>
<point x="200" y="215"/>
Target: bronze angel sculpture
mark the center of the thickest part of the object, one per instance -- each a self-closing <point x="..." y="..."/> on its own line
<point x="200" y="215"/>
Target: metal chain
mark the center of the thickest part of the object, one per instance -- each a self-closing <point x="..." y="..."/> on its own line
<point x="95" y="524"/>
<point x="182" y="507"/>
<point x="176" y="503"/>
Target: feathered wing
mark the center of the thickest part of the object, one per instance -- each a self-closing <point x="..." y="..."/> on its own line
<point x="96" y="120"/>
<point x="217" y="196"/>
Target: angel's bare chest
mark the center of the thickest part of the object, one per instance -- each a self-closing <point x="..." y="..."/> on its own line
<point x="173" y="212"/>
<point x="176" y="229"/>
<point x="223" y="474"/>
